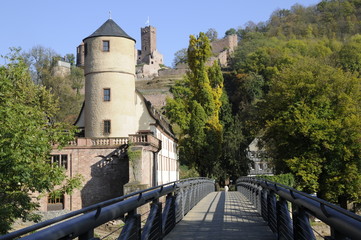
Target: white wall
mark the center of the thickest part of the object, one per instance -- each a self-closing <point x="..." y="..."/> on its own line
<point x="168" y="166"/>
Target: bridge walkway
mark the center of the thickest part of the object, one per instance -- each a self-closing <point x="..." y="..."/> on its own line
<point x="222" y="215"/>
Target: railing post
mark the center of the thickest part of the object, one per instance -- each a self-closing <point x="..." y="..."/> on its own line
<point x="132" y="227"/>
<point x="255" y="199"/>
<point x="284" y="222"/>
<point x="301" y="224"/>
<point x="169" y="214"/>
<point x="179" y="205"/>
<point x="272" y="215"/>
<point x="251" y="194"/>
<point x="153" y="227"/>
<point x="264" y="207"/>
<point x="259" y="199"/>
<point x="254" y="196"/>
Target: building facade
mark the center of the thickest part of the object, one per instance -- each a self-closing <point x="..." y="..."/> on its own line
<point x="259" y="162"/>
<point x="115" y="120"/>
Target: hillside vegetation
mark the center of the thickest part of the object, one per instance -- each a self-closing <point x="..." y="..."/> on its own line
<point x="294" y="81"/>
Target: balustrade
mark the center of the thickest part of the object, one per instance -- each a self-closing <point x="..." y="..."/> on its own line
<point x="133" y="138"/>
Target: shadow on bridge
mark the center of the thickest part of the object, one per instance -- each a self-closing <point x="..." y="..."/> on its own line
<point x="222" y="215"/>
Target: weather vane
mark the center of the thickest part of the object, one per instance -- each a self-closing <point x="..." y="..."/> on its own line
<point x="147" y="22"/>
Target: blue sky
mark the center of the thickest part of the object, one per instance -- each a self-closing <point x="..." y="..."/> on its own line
<point x="61" y="25"/>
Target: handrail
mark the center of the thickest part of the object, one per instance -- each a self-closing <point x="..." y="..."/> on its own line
<point x="342" y="222"/>
<point x="98" y="214"/>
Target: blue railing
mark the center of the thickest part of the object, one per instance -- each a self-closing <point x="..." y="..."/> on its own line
<point x="178" y="198"/>
<point x="272" y="201"/>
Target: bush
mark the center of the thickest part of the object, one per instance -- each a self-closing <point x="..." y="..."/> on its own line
<point x="286" y="179"/>
<point x="186" y="172"/>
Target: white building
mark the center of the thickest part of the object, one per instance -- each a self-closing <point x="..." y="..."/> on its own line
<point x="258" y="157"/>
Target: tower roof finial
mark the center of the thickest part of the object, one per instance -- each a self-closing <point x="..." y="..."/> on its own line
<point x="110" y="14"/>
<point x="147" y="22"/>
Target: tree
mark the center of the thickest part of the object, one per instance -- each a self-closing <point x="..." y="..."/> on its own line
<point x="66" y="88"/>
<point x="26" y="138"/>
<point x="77" y="79"/>
<point x="195" y="109"/>
<point x="349" y="55"/>
<point x="230" y="31"/>
<point x="212" y="34"/>
<point x="233" y="159"/>
<point x="40" y="59"/>
<point x="180" y="57"/>
<point x="312" y="128"/>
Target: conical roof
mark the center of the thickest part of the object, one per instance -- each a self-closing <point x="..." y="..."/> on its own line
<point x="110" y="28"/>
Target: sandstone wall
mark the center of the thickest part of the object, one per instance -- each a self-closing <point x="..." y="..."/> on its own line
<point x="104" y="176"/>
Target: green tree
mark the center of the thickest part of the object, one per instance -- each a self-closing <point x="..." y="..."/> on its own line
<point x="350" y="55"/>
<point x="212" y="34"/>
<point x="66" y="88"/>
<point x="312" y="127"/>
<point x="77" y="79"/>
<point x="233" y="157"/>
<point x="40" y="60"/>
<point x="26" y="138"/>
<point x="195" y="109"/>
<point x="230" y="31"/>
<point x="180" y="57"/>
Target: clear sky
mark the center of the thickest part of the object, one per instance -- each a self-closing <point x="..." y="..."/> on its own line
<point x="61" y="25"/>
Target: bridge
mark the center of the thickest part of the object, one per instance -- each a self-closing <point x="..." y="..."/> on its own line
<point x="191" y="209"/>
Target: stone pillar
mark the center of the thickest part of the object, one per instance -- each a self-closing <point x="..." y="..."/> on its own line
<point x="136" y="168"/>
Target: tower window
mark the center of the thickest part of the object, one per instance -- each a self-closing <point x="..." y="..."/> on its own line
<point x="106" y="126"/>
<point x="106" y="94"/>
<point x="106" y="46"/>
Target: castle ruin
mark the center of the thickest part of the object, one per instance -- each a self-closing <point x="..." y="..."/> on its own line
<point x="149" y="60"/>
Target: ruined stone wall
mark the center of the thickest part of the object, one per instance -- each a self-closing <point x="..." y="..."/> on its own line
<point x="146" y="71"/>
<point x="223" y="58"/>
<point x="172" y="72"/>
<point x="228" y="43"/>
<point x="61" y="69"/>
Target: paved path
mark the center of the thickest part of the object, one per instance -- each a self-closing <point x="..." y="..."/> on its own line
<point x="222" y="215"/>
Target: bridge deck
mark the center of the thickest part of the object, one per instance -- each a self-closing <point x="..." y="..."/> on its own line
<point x="222" y="215"/>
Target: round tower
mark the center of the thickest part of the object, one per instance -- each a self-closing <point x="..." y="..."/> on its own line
<point x="109" y="68"/>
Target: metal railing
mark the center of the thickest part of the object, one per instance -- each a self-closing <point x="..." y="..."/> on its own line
<point x="180" y="197"/>
<point x="272" y="201"/>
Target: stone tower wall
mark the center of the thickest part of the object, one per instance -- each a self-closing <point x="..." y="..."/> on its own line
<point x="80" y="55"/>
<point x="148" y="38"/>
<point x="114" y="70"/>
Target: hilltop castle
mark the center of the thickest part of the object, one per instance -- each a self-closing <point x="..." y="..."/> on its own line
<point x="149" y="60"/>
<point x="115" y="120"/>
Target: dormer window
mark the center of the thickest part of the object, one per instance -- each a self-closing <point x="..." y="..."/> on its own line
<point x="106" y="46"/>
